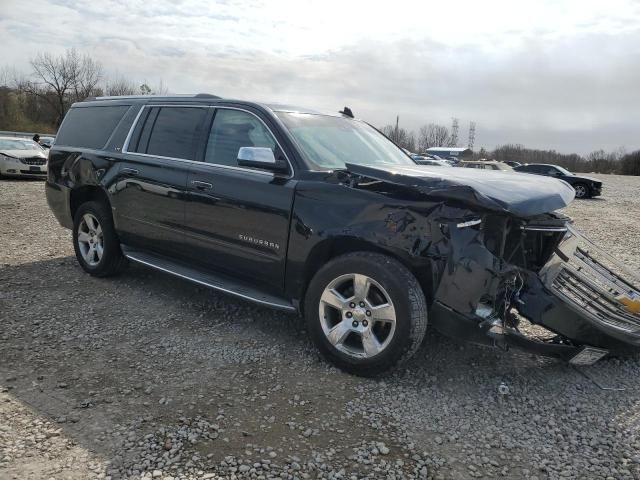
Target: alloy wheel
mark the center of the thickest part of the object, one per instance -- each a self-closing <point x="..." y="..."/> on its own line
<point x="581" y="191"/>
<point x="90" y="239"/>
<point x="357" y="315"/>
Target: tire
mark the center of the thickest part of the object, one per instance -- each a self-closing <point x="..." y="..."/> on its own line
<point x="110" y="261"/>
<point x="393" y="291"/>
<point x="582" y="190"/>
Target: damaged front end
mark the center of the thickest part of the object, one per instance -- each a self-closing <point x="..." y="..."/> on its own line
<point x="537" y="285"/>
<point x="508" y="270"/>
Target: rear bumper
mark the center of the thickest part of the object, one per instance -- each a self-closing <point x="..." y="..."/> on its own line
<point x="58" y="200"/>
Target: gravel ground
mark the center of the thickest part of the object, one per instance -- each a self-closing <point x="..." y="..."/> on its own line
<point x="148" y="376"/>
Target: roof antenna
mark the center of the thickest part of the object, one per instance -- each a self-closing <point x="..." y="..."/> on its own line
<point x="347" y="112"/>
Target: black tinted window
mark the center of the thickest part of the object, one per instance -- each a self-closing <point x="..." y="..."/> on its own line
<point x="172" y="132"/>
<point x="231" y="130"/>
<point x="90" y="127"/>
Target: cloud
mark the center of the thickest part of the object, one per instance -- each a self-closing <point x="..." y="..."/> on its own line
<point x="559" y="75"/>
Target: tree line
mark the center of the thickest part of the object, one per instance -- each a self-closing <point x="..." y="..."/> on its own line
<point x="435" y="135"/>
<point x="37" y="101"/>
<point x="429" y="135"/>
<point x="618" y="162"/>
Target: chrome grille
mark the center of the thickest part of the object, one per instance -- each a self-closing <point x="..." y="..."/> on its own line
<point x="34" y="161"/>
<point x="594" y="283"/>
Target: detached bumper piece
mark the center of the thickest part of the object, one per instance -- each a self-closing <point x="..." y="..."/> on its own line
<point x="597" y="287"/>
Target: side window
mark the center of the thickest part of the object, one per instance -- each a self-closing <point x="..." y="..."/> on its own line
<point x="171" y="132"/>
<point x="232" y="129"/>
<point x="90" y="127"/>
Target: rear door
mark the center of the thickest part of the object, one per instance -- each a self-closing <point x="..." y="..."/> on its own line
<point x="237" y="219"/>
<point x="150" y="193"/>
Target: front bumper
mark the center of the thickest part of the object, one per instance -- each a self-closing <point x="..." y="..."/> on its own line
<point x="15" y="169"/>
<point x="587" y="302"/>
<point x="600" y="292"/>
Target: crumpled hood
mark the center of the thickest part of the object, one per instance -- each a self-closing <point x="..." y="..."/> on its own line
<point x="24" y="153"/>
<point x="520" y="194"/>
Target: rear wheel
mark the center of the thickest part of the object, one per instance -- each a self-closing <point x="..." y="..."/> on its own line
<point x="582" y="191"/>
<point x="366" y="313"/>
<point x="95" y="241"/>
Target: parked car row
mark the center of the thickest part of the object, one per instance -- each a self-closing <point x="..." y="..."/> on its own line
<point x="585" y="187"/>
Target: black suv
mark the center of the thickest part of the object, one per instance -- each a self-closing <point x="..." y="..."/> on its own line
<point x="585" y="187"/>
<point x="323" y="215"/>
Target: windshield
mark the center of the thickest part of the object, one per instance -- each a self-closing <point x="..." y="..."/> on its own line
<point x="564" y="171"/>
<point x="17" y="144"/>
<point x="330" y="142"/>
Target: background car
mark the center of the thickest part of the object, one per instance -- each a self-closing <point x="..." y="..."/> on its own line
<point x="22" y="157"/>
<point x="485" y="165"/>
<point x="585" y="187"/>
<point x="512" y="163"/>
<point x="47" y="141"/>
<point x="431" y="161"/>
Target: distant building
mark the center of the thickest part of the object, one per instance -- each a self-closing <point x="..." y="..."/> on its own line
<point x="446" y="152"/>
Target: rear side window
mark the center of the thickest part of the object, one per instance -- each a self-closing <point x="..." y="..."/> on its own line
<point x="90" y="127"/>
<point x="171" y="132"/>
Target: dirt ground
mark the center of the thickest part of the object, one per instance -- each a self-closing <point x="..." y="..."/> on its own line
<point x="148" y="376"/>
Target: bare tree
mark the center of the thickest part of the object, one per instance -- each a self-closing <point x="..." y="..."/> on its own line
<point x="432" y="135"/>
<point x="120" y="86"/>
<point x="61" y="80"/>
<point x="145" y="89"/>
<point x="401" y="137"/>
<point x="86" y="74"/>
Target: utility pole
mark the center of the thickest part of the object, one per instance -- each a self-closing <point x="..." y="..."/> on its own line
<point x="397" y="122"/>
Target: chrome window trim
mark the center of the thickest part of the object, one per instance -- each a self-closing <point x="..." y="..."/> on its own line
<point x="196" y="162"/>
<point x="125" y="146"/>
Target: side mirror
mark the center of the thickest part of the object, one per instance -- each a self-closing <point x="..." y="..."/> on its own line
<point x="261" y="157"/>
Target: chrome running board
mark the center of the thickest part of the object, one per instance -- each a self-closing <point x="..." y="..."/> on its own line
<point x="216" y="281"/>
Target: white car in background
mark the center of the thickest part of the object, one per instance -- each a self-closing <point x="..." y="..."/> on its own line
<point x="22" y="157"/>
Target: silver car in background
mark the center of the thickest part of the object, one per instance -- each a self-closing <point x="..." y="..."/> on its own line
<point x="22" y="157"/>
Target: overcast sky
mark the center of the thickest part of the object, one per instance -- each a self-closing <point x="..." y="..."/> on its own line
<point x="550" y="74"/>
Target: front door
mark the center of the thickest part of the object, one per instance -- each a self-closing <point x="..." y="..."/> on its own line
<point x="237" y="219"/>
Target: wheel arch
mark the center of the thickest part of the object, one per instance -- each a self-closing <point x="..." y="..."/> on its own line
<point x="333" y="247"/>
<point x="86" y="193"/>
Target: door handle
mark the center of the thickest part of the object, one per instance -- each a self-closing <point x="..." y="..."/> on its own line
<point x="201" y="185"/>
<point x="132" y="172"/>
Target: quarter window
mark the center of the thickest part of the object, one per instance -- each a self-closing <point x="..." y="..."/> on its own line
<point x="171" y="132"/>
<point x="231" y="130"/>
<point x="90" y="127"/>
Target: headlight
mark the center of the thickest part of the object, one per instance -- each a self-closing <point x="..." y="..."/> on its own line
<point x="7" y="158"/>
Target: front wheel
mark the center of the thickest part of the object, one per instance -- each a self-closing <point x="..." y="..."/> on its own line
<point x="366" y="313"/>
<point x="95" y="240"/>
<point x="582" y="191"/>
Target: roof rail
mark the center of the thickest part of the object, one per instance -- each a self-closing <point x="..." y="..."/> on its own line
<point x="128" y="97"/>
